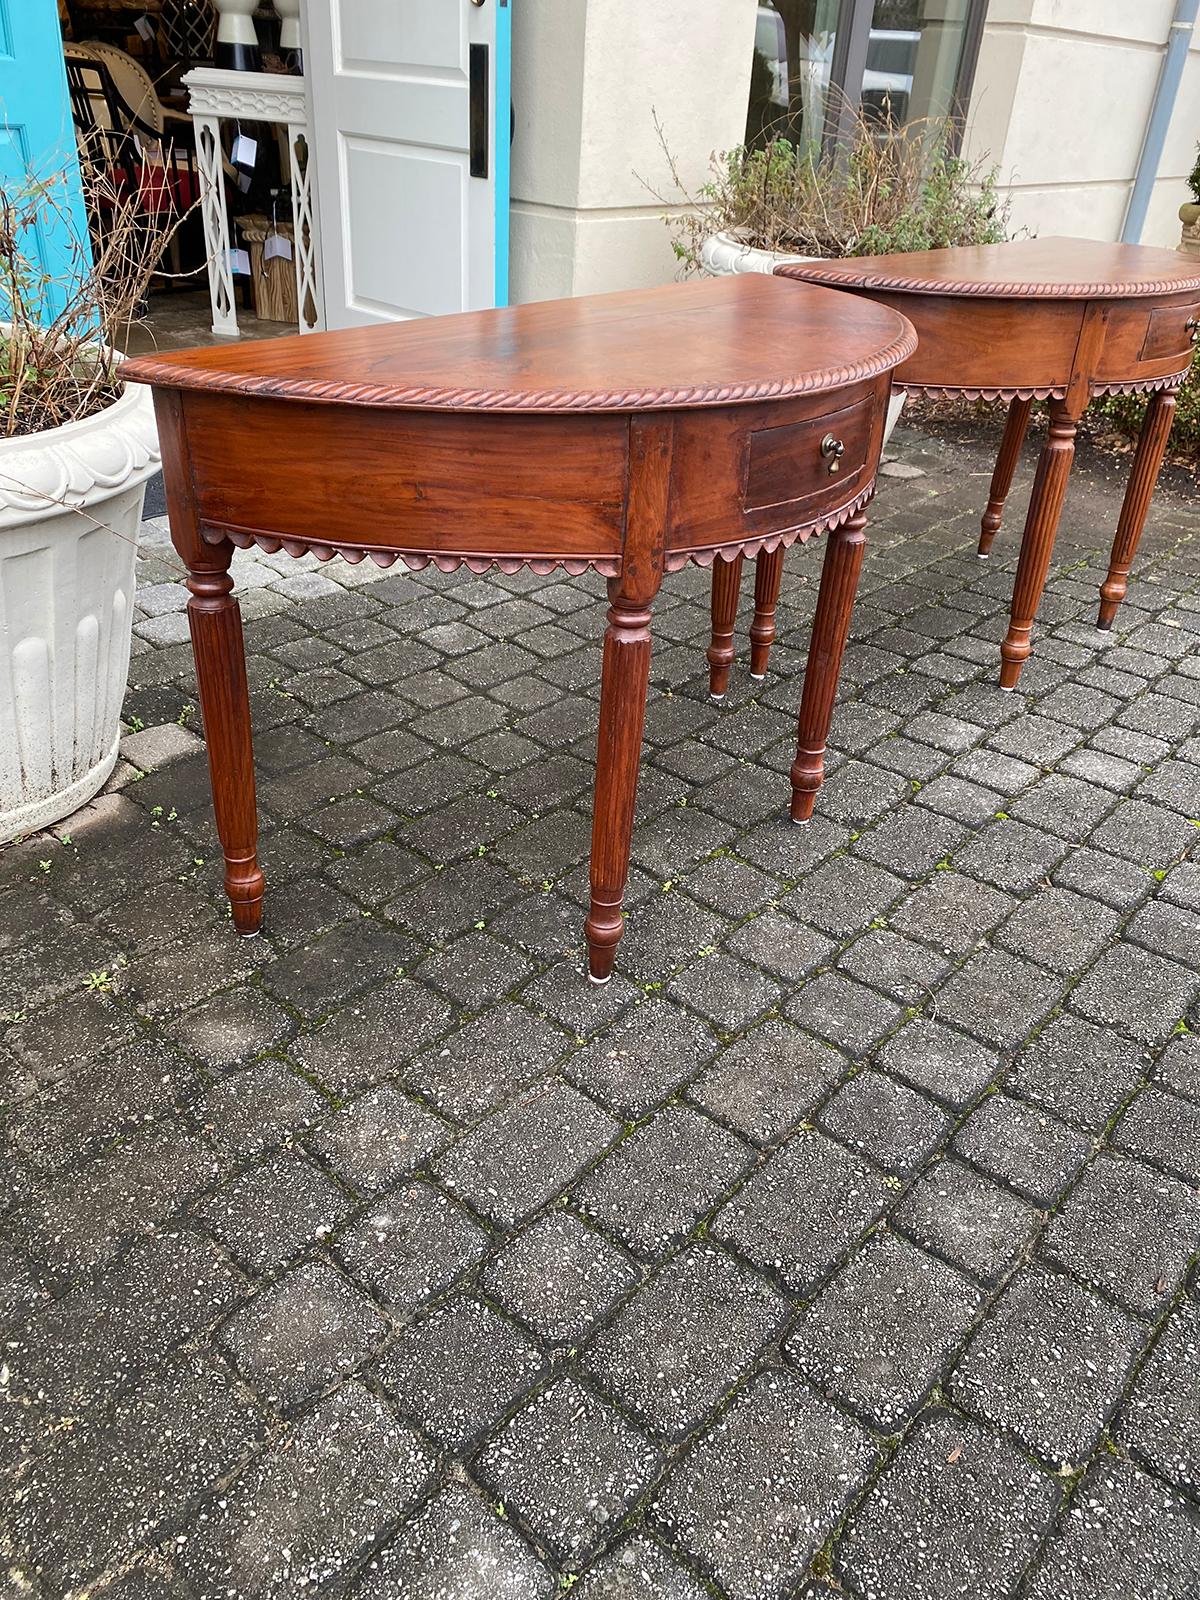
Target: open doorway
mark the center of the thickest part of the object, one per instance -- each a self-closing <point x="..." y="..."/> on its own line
<point x="126" y="62"/>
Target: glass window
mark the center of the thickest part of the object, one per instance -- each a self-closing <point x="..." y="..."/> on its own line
<point x="903" y="59"/>
<point x="914" y="54"/>
<point x="790" y="77"/>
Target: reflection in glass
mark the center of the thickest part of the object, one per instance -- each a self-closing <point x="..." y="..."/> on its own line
<point x="789" y="79"/>
<point x="914" y="56"/>
<point x="914" y="51"/>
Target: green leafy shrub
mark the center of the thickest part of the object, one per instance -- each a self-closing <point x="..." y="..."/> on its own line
<point x="1125" y="413"/>
<point x="868" y="195"/>
<point x="1193" y="182"/>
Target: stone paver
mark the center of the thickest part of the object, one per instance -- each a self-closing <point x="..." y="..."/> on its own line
<point x="1022" y="1146"/>
<point x="458" y="1371"/>
<point x="768" y="1080"/>
<point x="671" y="1352"/>
<point x="455" y="1546"/>
<point x="1125" y="1533"/>
<point x="569" y="1466"/>
<point x="525" y="1153"/>
<point x="639" y="1570"/>
<point x="559" y="1276"/>
<point x="1049" y="1366"/>
<point x="843" y="1196"/>
<point x="306" y="1510"/>
<point x="892" y="1124"/>
<point x="1080" y="1071"/>
<point x="383" y="1255"/>
<point x="758" y="1495"/>
<point x="1128" y="1231"/>
<point x="960" y="1513"/>
<point x="1161" y="1425"/>
<point x="409" y="1245"/>
<point x="970" y="1222"/>
<point x="879" y="1335"/>
<point x="657" y="1185"/>
<point x="302" y="1334"/>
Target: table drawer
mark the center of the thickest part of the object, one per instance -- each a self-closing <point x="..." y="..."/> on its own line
<point x="1170" y="333"/>
<point x="809" y="460"/>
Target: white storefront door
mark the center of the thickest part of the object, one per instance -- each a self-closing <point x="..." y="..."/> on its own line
<point x="410" y="132"/>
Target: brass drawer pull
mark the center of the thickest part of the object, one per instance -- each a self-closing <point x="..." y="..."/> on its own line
<point x="833" y="450"/>
<point x="1193" y="327"/>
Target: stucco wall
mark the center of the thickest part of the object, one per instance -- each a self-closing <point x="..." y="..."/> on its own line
<point x="1062" y="94"/>
<point x="588" y="78"/>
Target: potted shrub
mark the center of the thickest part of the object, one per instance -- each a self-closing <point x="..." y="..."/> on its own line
<point x="1189" y="212"/>
<point x="76" y="449"/>
<point x="873" y="193"/>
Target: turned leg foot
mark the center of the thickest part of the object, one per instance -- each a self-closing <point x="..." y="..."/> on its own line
<point x="768" y="575"/>
<point x="831" y="624"/>
<point x="1002" y="478"/>
<point x="624" y="682"/>
<point x="1037" y="543"/>
<point x="216" y="627"/>
<point x="726" y="584"/>
<point x="1152" y="445"/>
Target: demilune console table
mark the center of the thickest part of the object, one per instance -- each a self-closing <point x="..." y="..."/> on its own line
<point x="1062" y="320"/>
<point x="629" y="433"/>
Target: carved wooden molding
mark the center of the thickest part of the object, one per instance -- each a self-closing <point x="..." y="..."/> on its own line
<point x="678" y="559"/>
<point x="163" y="373"/>
<point x="416" y="561"/>
<point x="609" y="566"/>
<point x="843" y="274"/>
<point x="1141" y="385"/>
<point x="949" y="391"/>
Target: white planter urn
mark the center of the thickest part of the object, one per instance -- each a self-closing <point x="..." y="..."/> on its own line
<point x="70" y="506"/>
<point x="722" y="255"/>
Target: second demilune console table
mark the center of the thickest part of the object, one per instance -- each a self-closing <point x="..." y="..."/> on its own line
<point x="629" y="433"/>
<point x="1061" y="320"/>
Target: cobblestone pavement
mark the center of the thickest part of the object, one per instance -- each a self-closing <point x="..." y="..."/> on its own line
<point x="845" y="1243"/>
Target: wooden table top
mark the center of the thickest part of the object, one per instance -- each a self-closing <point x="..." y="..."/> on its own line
<point x="1035" y="269"/>
<point x="708" y="342"/>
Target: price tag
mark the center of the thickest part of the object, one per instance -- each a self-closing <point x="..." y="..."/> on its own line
<point x="277" y="245"/>
<point x="239" y="263"/>
<point x="145" y="27"/>
<point x="245" y="150"/>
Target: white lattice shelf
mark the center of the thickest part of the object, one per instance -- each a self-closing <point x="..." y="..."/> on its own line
<point x="271" y="97"/>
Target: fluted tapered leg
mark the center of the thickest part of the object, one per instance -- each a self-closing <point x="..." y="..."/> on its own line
<point x="844" y="552"/>
<point x="1037" y="542"/>
<point x="768" y="575"/>
<point x="1152" y="445"/>
<point x="726" y="584"/>
<point x="216" y="623"/>
<point x="1006" y="465"/>
<point x="624" y="681"/>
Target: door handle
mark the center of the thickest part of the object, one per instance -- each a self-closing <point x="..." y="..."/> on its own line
<point x="480" y="113"/>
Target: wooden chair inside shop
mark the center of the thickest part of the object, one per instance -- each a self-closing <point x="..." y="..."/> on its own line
<point x="149" y="149"/>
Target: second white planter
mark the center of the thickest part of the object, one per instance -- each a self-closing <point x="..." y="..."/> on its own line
<point x="723" y="255"/>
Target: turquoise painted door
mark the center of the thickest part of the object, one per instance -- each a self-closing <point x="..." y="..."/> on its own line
<point x="37" y="139"/>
